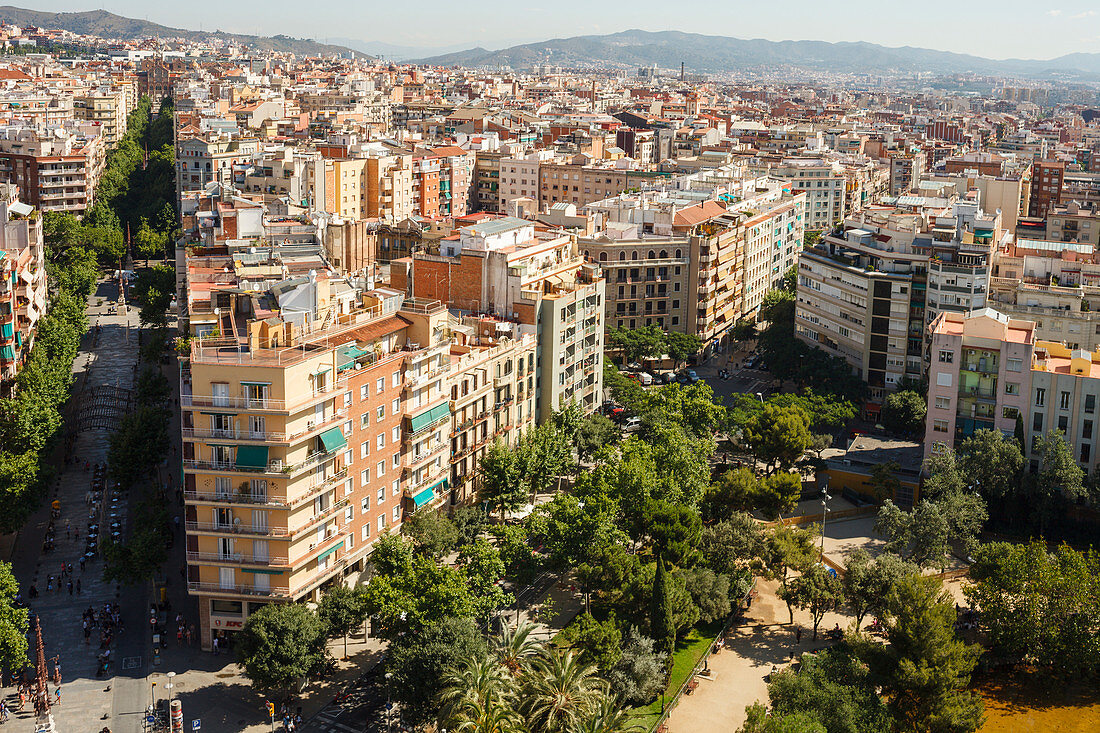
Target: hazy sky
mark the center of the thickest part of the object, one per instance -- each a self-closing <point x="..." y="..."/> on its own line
<point x="991" y="28"/>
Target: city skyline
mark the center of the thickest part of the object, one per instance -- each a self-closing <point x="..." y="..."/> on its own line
<point x="1040" y="33"/>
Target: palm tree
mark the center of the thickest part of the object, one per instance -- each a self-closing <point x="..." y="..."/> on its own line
<point x="496" y="717"/>
<point x="608" y="717"/>
<point x="515" y="645"/>
<point x="474" y="689"/>
<point x="559" y="692"/>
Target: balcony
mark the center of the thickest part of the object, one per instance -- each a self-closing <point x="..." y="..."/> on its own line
<point x="242" y="435"/>
<point x="324" y="515"/>
<point x="239" y="497"/>
<point x="248" y="529"/>
<point x="237" y="558"/>
<point x="236" y="590"/>
<point x="274" y="468"/>
<point x="319" y="488"/>
<point x="424" y="454"/>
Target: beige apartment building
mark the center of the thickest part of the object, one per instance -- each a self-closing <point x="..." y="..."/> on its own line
<point x="211" y="158"/>
<point x="106" y="106"/>
<point x="306" y="437"/>
<point x="56" y="170"/>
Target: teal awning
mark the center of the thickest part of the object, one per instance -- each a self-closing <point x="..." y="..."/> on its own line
<point x="333" y="440"/>
<point x="252" y="456"/>
<point x="6" y="352"/>
<point x="424" y="419"/>
<point x="320" y="372"/>
<point x="256" y="384"/>
<point x="331" y="550"/>
<point x="7" y="330"/>
<point x="261" y="572"/>
<point x="346" y="356"/>
<point x="423" y="497"/>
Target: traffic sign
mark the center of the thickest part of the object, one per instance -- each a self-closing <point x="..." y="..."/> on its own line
<point x="196" y="724"/>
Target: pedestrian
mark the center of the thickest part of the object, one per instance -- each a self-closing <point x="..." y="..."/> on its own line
<point x="215" y="645"/>
<point x="70" y="587"/>
<point x="32" y="592"/>
<point x="82" y="561"/>
<point x="57" y="696"/>
<point x="179" y="636"/>
<point x="78" y="586"/>
<point x="798" y="635"/>
<point x="22" y="698"/>
<point x="87" y="632"/>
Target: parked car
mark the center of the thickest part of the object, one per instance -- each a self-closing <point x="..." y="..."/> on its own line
<point x="632" y="423"/>
<point x="645" y="378"/>
<point x="667" y="377"/>
<point x="691" y="375"/>
<point x="617" y="413"/>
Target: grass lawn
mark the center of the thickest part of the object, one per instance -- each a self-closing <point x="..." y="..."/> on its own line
<point x="689" y="650"/>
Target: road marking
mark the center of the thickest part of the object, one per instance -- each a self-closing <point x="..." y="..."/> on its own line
<point x="131" y="662"/>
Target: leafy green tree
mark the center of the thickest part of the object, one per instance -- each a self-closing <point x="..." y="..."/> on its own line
<point x="1040" y="607"/>
<point x="827" y="412"/>
<point x="778" y="436"/>
<point x="342" y="610"/>
<point x="816" y="590"/>
<point x="502" y="477"/>
<point x="736" y="490"/>
<point x="637" y="344"/>
<point x="691" y="408"/>
<point x="639" y="675"/>
<point x="432" y="533"/>
<point x="924" y="670"/>
<point x="868" y="583"/>
<point x="149" y="242"/>
<point x="153" y="290"/>
<point x="520" y="561"/>
<point x="596" y="643"/>
<point x="732" y="545"/>
<point x="419" y="664"/>
<point x="834" y="689"/>
<point x="682" y="346"/>
<point x="595" y="432"/>
<point x="484" y="569"/>
<point x="139" y="445"/>
<point x="785" y="549"/>
<point x="779" y="493"/>
<point x="137" y="561"/>
<point x="1059" y="480"/>
<point x="660" y="613"/>
<point x="709" y="591"/>
<point x="543" y="454"/>
<point x="14" y="623"/>
<point x="280" y="644"/>
<point x="675" y="531"/>
<point x="20" y="488"/>
<point x="572" y="531"/>
<point x="469" y="522"/>
<point x="757" y="720"/>
<point x="925" y="535"/>
<point x="991" y="462"/>
<point x="904" y="412"/>
<point x="420" y="593"/>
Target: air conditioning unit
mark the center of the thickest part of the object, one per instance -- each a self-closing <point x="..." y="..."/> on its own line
<point x="276" y="464"/>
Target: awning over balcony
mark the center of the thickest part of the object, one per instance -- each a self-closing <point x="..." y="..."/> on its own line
<point x="346" y="356"/>
<point x="258" y="571"/>
<point x="331" y="550"/>
<point x="429" y="493"/>
<point x="7" y="330"/>
<point x="252" y="456"/>
<point x="333" y="440"/>
<point x="6" y="352"/>
<point x="424" y="419"/>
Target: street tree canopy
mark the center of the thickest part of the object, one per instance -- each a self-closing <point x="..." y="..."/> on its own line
<point x="280" y="644"/>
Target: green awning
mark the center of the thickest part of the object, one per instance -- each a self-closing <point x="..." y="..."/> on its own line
<point x="6" y="352"/>
<point x="333" y="440"/>
<point x="256" y="384"/>
<point x="7" y="330"/>
<point x="320" y="372"/>
<point x="261" y="572"/>
<point x="331" y="550"/>
<point x="346" y="356"/>
<point x="252" y="456"/>
<point x="423" y="497"/>
<point x="424" y="419"/>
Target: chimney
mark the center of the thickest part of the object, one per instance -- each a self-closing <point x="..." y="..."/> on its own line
<point x="681" y="71"/>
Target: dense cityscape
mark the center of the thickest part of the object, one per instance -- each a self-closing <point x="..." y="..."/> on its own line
<point x="539" y="391"/>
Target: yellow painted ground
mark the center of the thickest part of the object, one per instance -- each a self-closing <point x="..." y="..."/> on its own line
<point x="1021" y="705"/>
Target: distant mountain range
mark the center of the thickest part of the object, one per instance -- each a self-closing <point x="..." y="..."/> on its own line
<point x="394" y="52"/>
<point x="109" y="25"/>
<point x="702" y="53"/>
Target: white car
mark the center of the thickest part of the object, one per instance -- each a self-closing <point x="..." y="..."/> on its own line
<point x="632" y="423"/>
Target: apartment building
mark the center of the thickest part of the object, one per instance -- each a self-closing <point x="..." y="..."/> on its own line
<point x="534" y="280"/>
<point x="1046" y="186"/>
<point x="311" y="427"/>
<point x="211" y="158"/>
<point x="584" y="183"/>
<point x="825" y="186"/>
<point x="22" y="282"/>
<point x="1074" y="222"/>
<point x="906" y="169"/>
<point x="57" y="169"/>
<point x="106" y="106"/>
<point x="519" y="177"/>
<point x="486" y="194"/>
<point x="868" y="292"/>
<point x="456" y="173"/>
<point x="991" y="372"/>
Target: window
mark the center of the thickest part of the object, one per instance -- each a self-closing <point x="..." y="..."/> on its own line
<point x="395" y="406"/>
<point x="347" y="428"/>
<point x="1037" y="422"/>
<point x="943" y="379"/>
<point x="363" y="392"/>
<point x="397" y="460"/>
<point x="366" y="531"/>
<point x="381" y="385"/>
<point x="1063" y="401"/>
<point x="364" y="449"/>
<point x="1085" y="452"/>
<point x="381" y="412"/>
<point x="349" y="513"/>
<point x="381" y="441"/>
<point x="939" y="426"/>
<point x="1012" y="388"/>
<point x="396" y="487"/>
<point x="1086" y="429"/>
<point x="381" y="468"/>
<point x="943" y="403"/>
<point x="1009" y="413"/>
<point x="1063" y="423"/>
<point x="1040" y="397"/>
<point x="395" y="379"/>
<point x="396" y="434"/>
<point x="381" y="522"/>
<point x="364" y="477"/>
<point x="381" y="495"/>
<point x="364" y="420"/>
<point x="347" y="399"/>
<point x="947" y="357"/>
<point x="1090" y="403"/>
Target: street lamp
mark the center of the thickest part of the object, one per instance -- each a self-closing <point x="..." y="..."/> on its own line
<point x="170" y="687"/>
<point x="824" y="512"/>
<point x="760" y="396"/>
